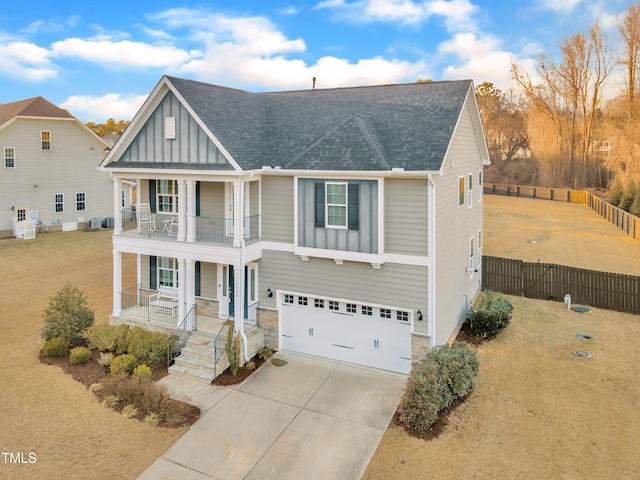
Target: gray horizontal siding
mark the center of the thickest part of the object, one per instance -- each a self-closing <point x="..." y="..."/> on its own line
<point x="254" y="198"/>
<point x="406" y="216"/>
<point x="212" y="199"/>
<point x="277" y="209"/>
<point x="403" y="286"/>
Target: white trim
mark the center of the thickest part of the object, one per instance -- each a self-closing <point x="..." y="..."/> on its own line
<point x="431" y="249"/>
<point x="382" y="228"/>
<point x="4" y="158"/>
<point x="345" y="206"/>
<point x="84" y="201"/>
<point x="55" y="203"/>
<point x="480" y="183"/>
<point x="296" y="208"/>
<point x="470" y="189"/>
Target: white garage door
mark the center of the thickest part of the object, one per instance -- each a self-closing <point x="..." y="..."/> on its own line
<point x="358" y="333"/>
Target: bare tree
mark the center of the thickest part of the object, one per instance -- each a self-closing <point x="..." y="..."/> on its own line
<point x="629" y="28"/>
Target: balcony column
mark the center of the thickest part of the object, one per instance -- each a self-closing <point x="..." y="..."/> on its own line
<point x="117" y="282"/>
<point x="190" y="297"/>
<point x="238" y="295"/>
<point x="182" y="210"/>
<point x="139" y="269"/>
<point x="182" y="290"/>
<point x="191" y="211"/>
<point x="117" y="206"/>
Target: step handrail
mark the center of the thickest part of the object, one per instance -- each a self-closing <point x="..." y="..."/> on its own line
<point x="182" y="333"/>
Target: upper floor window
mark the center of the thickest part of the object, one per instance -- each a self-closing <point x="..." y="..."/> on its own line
<point x="45" y="138"/>
<point x="337" y="205"/>
<point x="470" y="190"/>
<point x="167" y="196"/>
<point x="9" y="157"/>
<point x="58" y="202"/>
<point x="81" y="201"/>
<point x="480" y="186"/>
<point x="460" y="191"/>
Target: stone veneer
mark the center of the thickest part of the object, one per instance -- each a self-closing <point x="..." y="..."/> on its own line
<point x="208" y="307"/>
<point x="420" y="346"/>
<point x="269" y="324"/>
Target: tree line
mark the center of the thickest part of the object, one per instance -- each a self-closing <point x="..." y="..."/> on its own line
<point x="574" y="121"/>
<point x="110" y="128"/>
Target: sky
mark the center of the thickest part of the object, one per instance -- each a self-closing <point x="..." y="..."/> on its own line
<point x="101" y="60"/>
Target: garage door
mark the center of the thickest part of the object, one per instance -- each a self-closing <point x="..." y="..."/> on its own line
<point x="353" y="332"/>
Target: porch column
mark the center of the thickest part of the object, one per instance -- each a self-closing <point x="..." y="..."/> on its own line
<point x="139" y="269"/>
<point x="191" y="211"/>
<point x="182" y="210"/>
<point x="237" y="213"/>
<point x="117" y="282"/>
<point x="117" y="206"/>
<point x="182" y="284"/>
<point x="190" y="297"/>
<point x="238" y="290"/>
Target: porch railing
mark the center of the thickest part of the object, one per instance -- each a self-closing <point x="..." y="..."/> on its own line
<point x="134" y="301"/>
<point x="251" y="317"/>
<point x="214" y="229"/>
<point x="252" y="227"/>
<point x="219" y="346"/>
<point x="182" y="333"/>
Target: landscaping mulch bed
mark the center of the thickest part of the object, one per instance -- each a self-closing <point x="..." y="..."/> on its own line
<point x="227" y="378"/>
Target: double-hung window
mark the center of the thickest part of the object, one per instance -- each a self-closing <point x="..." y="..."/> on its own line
<point x="337" y="205"/>
<point x="470" y="190"/>
<point x="9" y="157"/>
<point x="460" y="191"/>
<point x="167" y="272"/>
<point x="45" y="139"/>
<point x="81" y="201"/>
<point x="167" y="196"/>
<point x="58" y="202"/>
<point x="480" y="185"/>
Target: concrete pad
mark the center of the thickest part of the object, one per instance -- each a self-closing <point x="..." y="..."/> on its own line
<point x="229" y="440"/>
<point x="196" y="393"/>
<point x="294" y="383"/>
<point x="319" y="447"/>
<point x="162" y="469"/>
<point x="360" y="395"/>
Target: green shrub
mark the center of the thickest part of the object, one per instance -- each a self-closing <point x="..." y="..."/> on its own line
<point x="123" y="364"/>
<point x="442" y="377"/>
<point x="152" y="419"/>
<point x="492" y="314"/>
<point x="265" y="353"/>
<point x="616" y="192"/>
<point x="110" y="401"/>
<point x="634" y="209"/>
<point x="143" y="372"/>
<point x="79" y="355"/>
<point x="232" y="349"/>
<point x="628" y="196"/>
<point x="106" y="337"/>
<point x="250" y="365"/>
<point x="148" y="347"/>
<point x="67" y="315"/>
<point x="145" y="396"/>
<point x="56" y="347"/>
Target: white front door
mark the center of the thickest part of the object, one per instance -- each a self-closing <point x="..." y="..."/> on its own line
<point x="20" y="215"/>
<point x="225" y="291"/>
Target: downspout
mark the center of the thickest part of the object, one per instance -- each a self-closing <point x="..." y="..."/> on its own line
<point x="431" y="307"/>
<point x="245" y="342"/>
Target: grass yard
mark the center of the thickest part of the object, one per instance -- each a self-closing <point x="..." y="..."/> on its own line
<point x="43" y="410"/>
<point x="537" y="411"/>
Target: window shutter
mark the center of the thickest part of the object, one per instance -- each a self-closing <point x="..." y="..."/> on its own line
<point x="197" y="292"/>
<point x="153" y="272"/>
<point x="354" y="206"/>
<point x="197" y="199"/>
<point x="152" y="196"/>
<point x="319" y="202"/>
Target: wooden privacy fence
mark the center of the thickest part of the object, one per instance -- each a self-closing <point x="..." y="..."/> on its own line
<point x="611" y="291"/>
<point x="630" y="224"/>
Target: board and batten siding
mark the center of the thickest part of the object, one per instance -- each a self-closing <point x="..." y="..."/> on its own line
<point x="406" y="216"/>
<point x="191" y="144"/>
<point x="454" y="227"/>
<point x="277" y="208"/>
<point x="403" y="286"/>
<point x="70" y="167"/>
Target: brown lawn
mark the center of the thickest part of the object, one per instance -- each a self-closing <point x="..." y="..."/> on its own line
<point x="537" y="411"/>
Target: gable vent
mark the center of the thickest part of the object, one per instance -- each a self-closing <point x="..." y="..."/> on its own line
<point x="170" y="128"/>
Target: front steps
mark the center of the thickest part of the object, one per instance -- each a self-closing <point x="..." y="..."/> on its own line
<point x="196" y="359"/>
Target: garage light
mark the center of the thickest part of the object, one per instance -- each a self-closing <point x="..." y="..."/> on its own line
<point x="269" y="292"/>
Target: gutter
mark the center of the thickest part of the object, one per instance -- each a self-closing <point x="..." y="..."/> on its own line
<point x="245" y="342"/>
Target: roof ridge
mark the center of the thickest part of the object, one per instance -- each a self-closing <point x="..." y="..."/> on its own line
<point x="371" y="136"/>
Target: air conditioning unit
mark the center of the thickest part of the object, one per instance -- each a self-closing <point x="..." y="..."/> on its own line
<point x="95" y="223"/>
<point x="107" y="222"/>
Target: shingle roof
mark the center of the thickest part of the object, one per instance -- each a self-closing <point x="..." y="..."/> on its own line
<point x="362" y="128"/>
<point x="31" y="107"/>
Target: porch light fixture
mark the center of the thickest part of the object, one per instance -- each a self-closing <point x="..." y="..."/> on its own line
<point x="269" y="292"/>
<point x="419" y="313"/>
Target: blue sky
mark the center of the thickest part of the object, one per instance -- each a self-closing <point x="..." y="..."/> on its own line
<point x="101" y="61"/>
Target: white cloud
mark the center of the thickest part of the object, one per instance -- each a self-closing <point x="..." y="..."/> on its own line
<point x="456" y="13"/>
<point x="100" y="109"/>
<point x="289" y="10"/>
<point x="25" y="61"/>
<point x="564" y="6"/>
<point x="125" y="53"/>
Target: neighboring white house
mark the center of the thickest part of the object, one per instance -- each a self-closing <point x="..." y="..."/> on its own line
<point x="49" y="169"/>
<point x="347" y="221"/>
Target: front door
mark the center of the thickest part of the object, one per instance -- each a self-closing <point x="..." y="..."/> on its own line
<point x="20" y="215"/>
<point x="225" y="291"/>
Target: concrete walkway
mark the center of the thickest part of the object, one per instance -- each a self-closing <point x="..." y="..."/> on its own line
<point x="312" y="418"/>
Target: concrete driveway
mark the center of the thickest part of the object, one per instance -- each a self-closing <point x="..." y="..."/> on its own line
<point x="313" y="418"/>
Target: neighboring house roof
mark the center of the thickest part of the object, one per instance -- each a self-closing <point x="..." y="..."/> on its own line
<point x="373" y="128"/>
<point x="31" y="107"/>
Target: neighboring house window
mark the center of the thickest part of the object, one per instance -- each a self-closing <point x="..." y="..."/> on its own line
<point x="167" y="196"/>
<point x="45" y="138"/>
<point x="21" y="215"/>
<point x="460" y="191"/>
<point x="471" y="253"/>
<point x="9" y="157"/>
<point x="167" y="272"/>
<point x="81" y="201"/>
<point x="334" y="305"/>
<point x="480" y="186"/>
<point x="402" y="316"/>
<point x="302" y="300"/>
<point x="367" y="311"/>
<point x="288" y="298"/>
<point x="470" y="190"/>
<point x="58" y="202"/>
<point x="319" y="303"/>
<point x="351" y="308"/>
<point x="337" y="205"/>
<point x="385" y="313"/>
